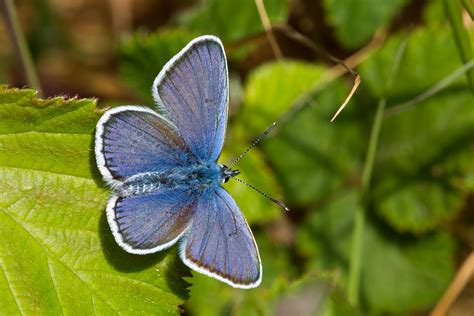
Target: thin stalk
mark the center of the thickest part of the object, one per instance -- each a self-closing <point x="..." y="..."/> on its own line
<point x="453" y="9"/>
<point x="19" y="42"/>
<point x="439" y="86"/>
<point x="360" y="215"/>
<point x="262" y="12"/>
<point x="469" y="8"/>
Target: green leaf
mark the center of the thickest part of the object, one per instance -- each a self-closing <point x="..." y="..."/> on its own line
<point x="418" y="206"/>
<point x="273" y="89"/>
<point x="230" y="21"/>
<point x="326" y="234"/>
<point x="357" y="21"/>
<point x="433" y="13"/>
<point x="57" y="254"/>
<point x="399" y="273"/>
<point x="419" y="190"/>
<point x="410" y="274"/>
<point x="143" y="56"/>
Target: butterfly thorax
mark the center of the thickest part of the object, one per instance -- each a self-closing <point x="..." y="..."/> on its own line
<point x="193" y="177"/>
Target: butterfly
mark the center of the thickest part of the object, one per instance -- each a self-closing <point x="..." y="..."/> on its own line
<point x="162" y="167"/>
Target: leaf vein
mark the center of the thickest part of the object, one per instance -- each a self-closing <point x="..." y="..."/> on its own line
<point x="10" y="288"/>
<point x="50" y="255"/>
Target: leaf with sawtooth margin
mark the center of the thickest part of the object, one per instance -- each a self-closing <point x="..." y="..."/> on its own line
<point x="57" y="254"/>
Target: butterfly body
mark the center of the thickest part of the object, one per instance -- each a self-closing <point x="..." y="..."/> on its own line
<point x="193" y="178"/>
<point x="162" y="167"/>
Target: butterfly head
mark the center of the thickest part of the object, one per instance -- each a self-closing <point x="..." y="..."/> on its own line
<point x="227" y="173"/>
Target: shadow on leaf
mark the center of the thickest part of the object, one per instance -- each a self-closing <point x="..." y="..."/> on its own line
<point x="96" y="176"/>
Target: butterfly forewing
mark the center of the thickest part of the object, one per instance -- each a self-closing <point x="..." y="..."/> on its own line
<point x="220" y="243"/>
<point x="193" y="90"/>
<point x="132" y="140"/>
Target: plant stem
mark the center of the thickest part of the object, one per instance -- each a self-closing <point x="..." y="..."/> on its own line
<point x="437" y="87"/>
<point x="360" y="215"/>
<point x="469" y="8"/>
<point x="453" y="9"/>
<point x="21" y="47"/>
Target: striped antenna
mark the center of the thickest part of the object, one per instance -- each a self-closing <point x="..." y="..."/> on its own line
<point x="279" y="203"/>
<point x="255" y="142"/>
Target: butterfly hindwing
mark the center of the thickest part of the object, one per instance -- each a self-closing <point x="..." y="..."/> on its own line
<point x="132" y="140"/>
<point x="192" y="90"/>
<point x="148" y="223"/>
<point x="220" y="243"/>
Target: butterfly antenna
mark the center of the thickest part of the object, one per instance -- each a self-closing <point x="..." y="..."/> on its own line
<point x="255" y="142"/>
<point x="279" y="203"/>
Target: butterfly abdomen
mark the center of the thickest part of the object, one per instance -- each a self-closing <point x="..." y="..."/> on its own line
<point x="196" y="177"/>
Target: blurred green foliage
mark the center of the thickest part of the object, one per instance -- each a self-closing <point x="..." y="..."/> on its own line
<point x="400" y="273"/>
<point x="143" y="56"/>
<point x="230" y="20"/>
<point x="356" y="21"/>
<point x="423" y="173"/>
<point x="421" y="187"/>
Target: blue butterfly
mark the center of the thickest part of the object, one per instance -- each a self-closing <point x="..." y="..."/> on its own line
<point x="162" y="167"/>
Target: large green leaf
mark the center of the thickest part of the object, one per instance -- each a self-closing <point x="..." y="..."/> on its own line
<point x="357" y="21"/>
<point x="57" y="253"/>
<point x="231" y="20"/>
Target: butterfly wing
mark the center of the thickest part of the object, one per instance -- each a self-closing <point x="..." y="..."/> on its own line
<point x="148" y="223"/>
<point x="220" y="243"/>
<point x="132" y="139"/>
<point x="192" y="90"/>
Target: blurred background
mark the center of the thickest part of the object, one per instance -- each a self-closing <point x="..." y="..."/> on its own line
<point x="407" y="200"/>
